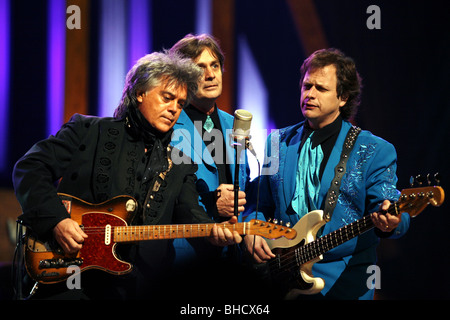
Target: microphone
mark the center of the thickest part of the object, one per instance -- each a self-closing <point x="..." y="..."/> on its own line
<point x="241" y="124"/>
<point x="241" y="132"/>
<point x="241" y="128"/>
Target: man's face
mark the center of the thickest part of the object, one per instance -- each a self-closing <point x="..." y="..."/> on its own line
<point x="162" y="105"/>
<point x="210" y="86"/>
<point x="319" y="102"/>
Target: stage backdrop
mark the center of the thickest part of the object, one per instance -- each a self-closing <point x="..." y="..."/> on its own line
<point x="58" y="58"/>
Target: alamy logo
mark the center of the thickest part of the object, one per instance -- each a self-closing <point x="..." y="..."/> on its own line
<point x="74" y="20"/>
<point x="374" y="20"/>
<point x="74" y="280"/>
<point x="374" y="280"/>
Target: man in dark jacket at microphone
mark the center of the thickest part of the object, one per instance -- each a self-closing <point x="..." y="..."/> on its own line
<point x="203" y="132"/>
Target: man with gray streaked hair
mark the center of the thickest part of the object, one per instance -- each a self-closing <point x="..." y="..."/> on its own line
<point x="148" y="73"/>
<point x="96" y="159"/>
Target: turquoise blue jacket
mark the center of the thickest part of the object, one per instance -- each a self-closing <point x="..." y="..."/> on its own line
<point x="187" y="139"/>
<point x="370" y="178"/>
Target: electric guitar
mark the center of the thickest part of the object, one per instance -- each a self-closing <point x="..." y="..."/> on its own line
<point x="106" y="226"/>
<point x="295" y="257"/>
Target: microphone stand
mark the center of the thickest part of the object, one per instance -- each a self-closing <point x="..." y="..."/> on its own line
<point x="238" y="148"/>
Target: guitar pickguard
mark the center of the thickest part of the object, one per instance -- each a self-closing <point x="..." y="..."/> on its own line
<point x="49" y="264"/>
<point x="286" y="267"/>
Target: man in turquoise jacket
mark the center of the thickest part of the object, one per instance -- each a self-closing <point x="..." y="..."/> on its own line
<point x="203" y="133"/>
<point x="308" y="154"/>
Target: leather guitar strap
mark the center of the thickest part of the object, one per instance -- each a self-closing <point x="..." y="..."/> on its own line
<point x="156" y="184"/>
<point x="339" y="171"/>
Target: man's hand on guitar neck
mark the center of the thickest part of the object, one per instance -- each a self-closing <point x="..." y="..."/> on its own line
<point x="222" y="236"/>
<point x="384" y="221"/>
<point x="69" y="235"/>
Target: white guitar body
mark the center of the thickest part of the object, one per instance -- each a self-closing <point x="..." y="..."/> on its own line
<point x="307" y="228"/>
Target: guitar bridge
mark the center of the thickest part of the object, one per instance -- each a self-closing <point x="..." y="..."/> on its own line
<point x="60" y="263"/>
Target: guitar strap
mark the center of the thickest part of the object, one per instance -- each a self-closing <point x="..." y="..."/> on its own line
<point x="339" y="171"/>
<point x="157" y="182"/>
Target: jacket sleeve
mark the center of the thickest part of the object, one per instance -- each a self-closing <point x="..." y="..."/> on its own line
<point x="381" y="185"/>
<point x="36" y="175"/>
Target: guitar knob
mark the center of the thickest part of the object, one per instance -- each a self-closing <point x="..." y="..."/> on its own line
<point x="130" y="205"/>
<point x="420" y="180"/>
<point x="411" y="181"/>
<point x="437" y="178"/>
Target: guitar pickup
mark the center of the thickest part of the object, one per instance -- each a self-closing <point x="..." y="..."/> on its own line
<point x="60" y="263"/>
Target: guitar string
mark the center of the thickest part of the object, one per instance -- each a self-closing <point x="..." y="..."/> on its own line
<point x="279" y="265"/>
<point x="308" y="252"/>
<point x="159" y="229"/>
<point x="245" y="227"/>
<point x="291" y="258"/>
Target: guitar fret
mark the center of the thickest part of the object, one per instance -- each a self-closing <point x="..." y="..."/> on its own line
<point x="324" y="244"/>
<point x="297" y="256"/>
<point x="149" y="232"/>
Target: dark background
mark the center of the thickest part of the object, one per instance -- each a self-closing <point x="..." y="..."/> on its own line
<point x="405" y="69"/>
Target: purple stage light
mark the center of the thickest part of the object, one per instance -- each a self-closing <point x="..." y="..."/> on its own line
<point x="4" y="79"/>
<point x="56" y="34"/>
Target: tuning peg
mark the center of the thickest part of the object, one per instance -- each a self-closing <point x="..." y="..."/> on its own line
<point x="420" y="179"/>
<point x="288" y="224"/>
<point x="437" y="178"/>
<point x="429" y="179"/>
<point x="411" y="181"/>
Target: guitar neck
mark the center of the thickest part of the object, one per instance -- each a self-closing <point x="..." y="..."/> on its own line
<point x="324" y="244"/>
<point x="174" y="231"/>
<point x="411" y="201"/>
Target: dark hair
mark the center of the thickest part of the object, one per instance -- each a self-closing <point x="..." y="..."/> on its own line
<point x="348" y="80"/>
<point x="150" y="70"/>
<point x="191" y="46"/>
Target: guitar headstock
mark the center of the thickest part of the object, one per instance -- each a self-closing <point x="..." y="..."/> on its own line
<point x="415" y="200"/>
<point x="270" y="230"/>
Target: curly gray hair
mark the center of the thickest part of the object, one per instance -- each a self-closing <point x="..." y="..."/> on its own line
<point x="150" y="70"/>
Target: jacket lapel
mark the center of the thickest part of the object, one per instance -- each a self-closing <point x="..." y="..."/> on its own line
<point x="291" y="150"/>
<point x="192" y="141"/>
<point x="226" y="123"/>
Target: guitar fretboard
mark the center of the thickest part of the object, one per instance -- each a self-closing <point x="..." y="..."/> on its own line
<point x="154" y="232"/>
<point x="324" y="244"/>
